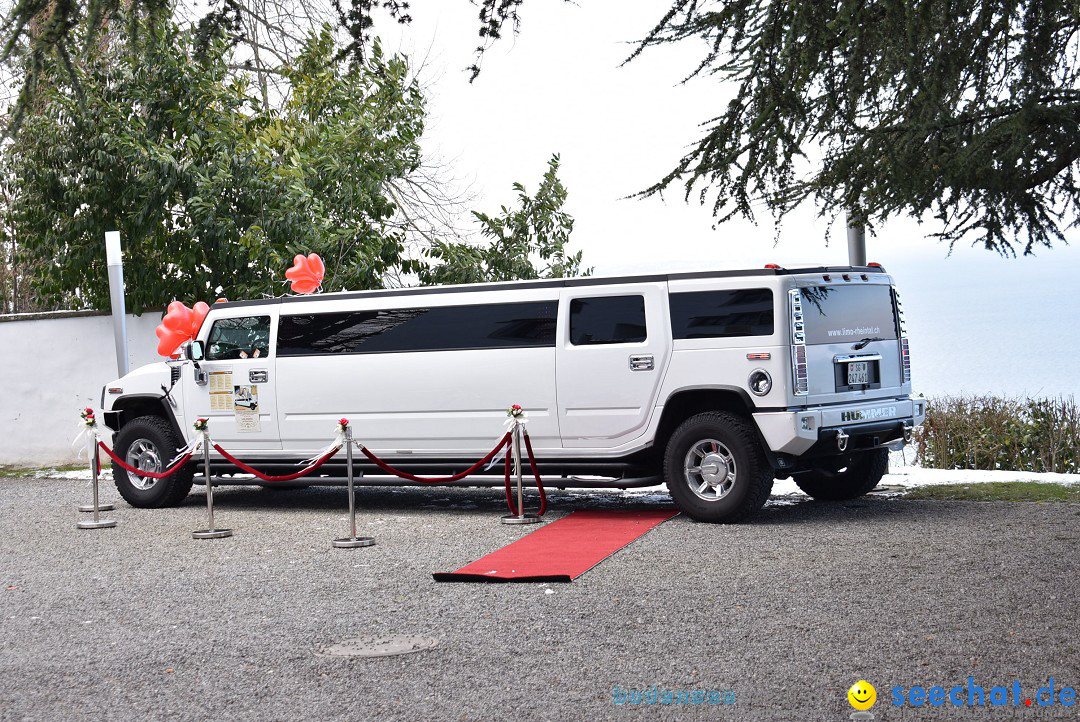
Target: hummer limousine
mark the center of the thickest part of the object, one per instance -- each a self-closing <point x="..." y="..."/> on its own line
<point x="713" y="382"/>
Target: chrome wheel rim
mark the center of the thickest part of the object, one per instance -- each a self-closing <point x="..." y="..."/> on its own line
<point x="710" y="471"/>
<point x="143" y="455"/>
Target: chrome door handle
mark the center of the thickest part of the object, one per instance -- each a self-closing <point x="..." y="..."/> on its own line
<point x="644" y="362"/>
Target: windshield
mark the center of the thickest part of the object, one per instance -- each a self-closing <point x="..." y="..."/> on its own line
<point x="848" y="314"/>
<point x="237" y="338"/>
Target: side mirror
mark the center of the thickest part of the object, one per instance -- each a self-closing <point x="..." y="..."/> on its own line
<point x="194" y="351"/>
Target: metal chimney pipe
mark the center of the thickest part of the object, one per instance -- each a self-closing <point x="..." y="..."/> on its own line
<point x="115" y="261"/>
<point x="856" y="242"/>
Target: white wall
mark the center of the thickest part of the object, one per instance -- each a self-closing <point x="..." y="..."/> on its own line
<point x="53" y="365"/>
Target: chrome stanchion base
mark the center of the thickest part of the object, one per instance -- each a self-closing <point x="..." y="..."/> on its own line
<point x="211" y="534"/>
<point x="99" y="524"/>
<point x="523" y="519"/>
<point x="353" y="542"/>
<point x="88" y="508"/>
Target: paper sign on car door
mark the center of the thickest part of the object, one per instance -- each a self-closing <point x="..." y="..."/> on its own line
<point x="246" y="408"/>
<point x="221" y="390"/>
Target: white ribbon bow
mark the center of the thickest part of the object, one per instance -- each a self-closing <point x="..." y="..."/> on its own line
<point x="189" y="448"/>
<point x="337" y="443"/>
<point x="511" y="422"/>
<point x="88" y="433"/>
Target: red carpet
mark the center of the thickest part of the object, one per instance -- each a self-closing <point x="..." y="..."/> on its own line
<point x="562" y="550"/>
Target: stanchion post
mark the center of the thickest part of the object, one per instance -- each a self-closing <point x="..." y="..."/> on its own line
<point x="351" y="542"/>
<point x="521" y="517"/>
<point x="97" y="522"/>
<point x="210" y="532"/>
<point x="94" y="463"/>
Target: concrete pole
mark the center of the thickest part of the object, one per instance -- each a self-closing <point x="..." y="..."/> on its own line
<point x="15" y="274"/>
<point x="856" y="242"/>
<point x="116" y="295"/>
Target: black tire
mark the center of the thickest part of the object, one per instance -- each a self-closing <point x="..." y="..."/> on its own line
<point x="153" y="440"/>
<point x="731" y="493"/>
<point x="863" y="471"/>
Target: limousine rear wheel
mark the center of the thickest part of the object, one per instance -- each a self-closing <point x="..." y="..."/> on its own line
<point x="863" y="471"/>
<point x="715" y="469"/>
<point x="149" y="443"/>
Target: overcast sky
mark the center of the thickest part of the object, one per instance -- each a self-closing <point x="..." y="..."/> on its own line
<point x="558" y="87"/>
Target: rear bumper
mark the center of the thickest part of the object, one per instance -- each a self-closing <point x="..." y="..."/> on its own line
<point x="815" y="429"/>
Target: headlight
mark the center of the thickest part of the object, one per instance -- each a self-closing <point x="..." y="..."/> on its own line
<point x="760" y="382"/>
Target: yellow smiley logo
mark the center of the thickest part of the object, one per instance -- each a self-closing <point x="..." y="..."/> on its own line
<point x="862" y="695"/>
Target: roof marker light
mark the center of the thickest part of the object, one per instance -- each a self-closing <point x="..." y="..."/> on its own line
<point x="772" y="265"/>
<point x="873" y="265"/>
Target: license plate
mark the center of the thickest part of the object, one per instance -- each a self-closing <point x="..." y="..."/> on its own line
<point x="858" y="373"/>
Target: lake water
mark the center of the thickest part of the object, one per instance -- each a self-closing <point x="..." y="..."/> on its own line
<point x="993" y="326"/>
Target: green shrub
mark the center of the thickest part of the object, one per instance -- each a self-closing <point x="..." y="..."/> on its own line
<point x="991" y="432"/>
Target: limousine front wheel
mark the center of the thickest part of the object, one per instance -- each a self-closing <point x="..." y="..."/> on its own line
<point x="149" y="443"/>
<point x="715" y="469"/>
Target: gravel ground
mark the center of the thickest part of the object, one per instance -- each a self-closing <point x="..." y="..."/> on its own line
<point x="143" y="622"/>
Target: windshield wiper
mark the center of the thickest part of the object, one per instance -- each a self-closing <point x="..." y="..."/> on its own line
<point x="863" y="342"/>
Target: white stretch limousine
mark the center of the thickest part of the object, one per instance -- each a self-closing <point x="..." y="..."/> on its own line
<point x="714" y="382"/>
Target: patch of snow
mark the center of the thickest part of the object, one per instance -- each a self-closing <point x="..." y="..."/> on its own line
<point x="77" y="474"/>
<point x="917" y="476"/>
<point x="911" y="477"/>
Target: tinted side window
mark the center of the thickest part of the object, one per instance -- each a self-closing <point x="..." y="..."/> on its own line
<point x="235" y="338"/>
<point x="443" y="328"/>
<point x="721" y="314"/>
<point x="607" y="319"/>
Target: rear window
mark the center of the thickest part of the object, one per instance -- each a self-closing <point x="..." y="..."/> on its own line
<point x="722" y="314"/>
<point x="845" y="314"/>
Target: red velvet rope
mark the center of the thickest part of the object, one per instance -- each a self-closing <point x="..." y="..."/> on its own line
<point x="435" y="479"/>
<point x="374" y="459"/>
<point x="139" y="472"/>
<point x="536" y="476"/>
<point x="265" y="477"/>
<point x="506" y="475"/>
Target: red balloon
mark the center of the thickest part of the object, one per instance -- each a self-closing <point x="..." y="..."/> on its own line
<point x="179" y="325"/>
<point x="168" y="341"/>
<point x="198" y="315"/>
<point x="306" y="273"/>
<point x="177" y="317"/>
